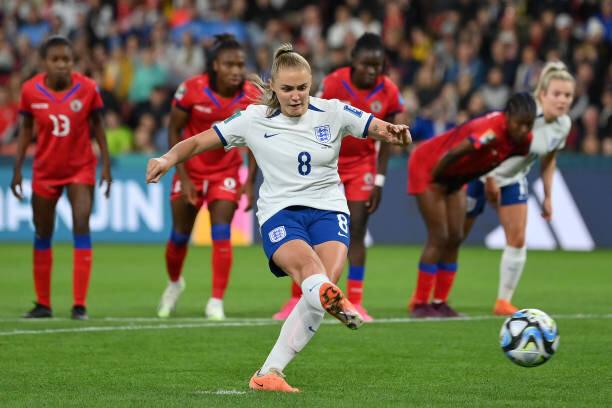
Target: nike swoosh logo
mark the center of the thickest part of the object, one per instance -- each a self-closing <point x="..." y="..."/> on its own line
<point x="310" y="290"/>
<point x="311" y="329"/>
<point x="342" y="235"/>
<point x="267" y="135"/>
<point x="261" y="385"/>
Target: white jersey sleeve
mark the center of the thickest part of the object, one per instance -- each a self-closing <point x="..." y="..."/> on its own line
<point x="352" y="121"/>
<point x="233" y="130"/>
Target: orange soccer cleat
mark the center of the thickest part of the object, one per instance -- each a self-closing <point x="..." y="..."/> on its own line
<point x="273" y="381"/>
<point x="504" y="308"/>
<point x="337" y="305"/>
<point x="286" y="310"/>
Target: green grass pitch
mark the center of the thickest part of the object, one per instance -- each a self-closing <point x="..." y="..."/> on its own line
<point x="124" y="356"/>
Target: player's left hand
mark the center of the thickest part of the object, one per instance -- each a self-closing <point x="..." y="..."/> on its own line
<point x="156" y="168"/>
<point x="374" y="201"/>
<point x="492" y="192"/>
<point x="106" y="177"/>
<point x="547" y="209"/>
<point x="399" y="134"/>
<point x="249" y="191"/>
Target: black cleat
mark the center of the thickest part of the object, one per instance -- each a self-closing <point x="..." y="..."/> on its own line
<point x="39" y="312"/>
<point x="79" y="312"/>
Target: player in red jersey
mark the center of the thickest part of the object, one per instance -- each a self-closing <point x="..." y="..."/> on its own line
<point x="210" y="177"/>
<point x="362" y="169"/>
<point x="437" y="172"/>
<point x="66" y="107"/>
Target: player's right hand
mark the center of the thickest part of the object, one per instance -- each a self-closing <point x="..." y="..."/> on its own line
<point x="156" y="168"/>
<point x="492" y="192"/>
<point x="16" y="185"/>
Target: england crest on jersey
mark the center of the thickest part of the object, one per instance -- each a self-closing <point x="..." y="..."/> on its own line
<point x="323" y="134"/>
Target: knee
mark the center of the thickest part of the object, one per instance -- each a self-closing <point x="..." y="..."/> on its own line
<point x="454" y="239"/>
<point x="81" y="226"/>
<point x="516" y="239"/>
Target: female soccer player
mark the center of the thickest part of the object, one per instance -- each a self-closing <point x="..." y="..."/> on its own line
<point x="506" y="185"/>
<point x="437" y="171"/>
<point x="211" y="177"/>
<point x="65" y="106"/>
<point x="364" y="86"/>
<point x="302" y="213"/>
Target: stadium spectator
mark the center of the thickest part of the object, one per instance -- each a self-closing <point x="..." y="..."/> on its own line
<point x="505" y="187"/>
<point x="119" y="137"/>
<point x="212" y="177"/>
<point x="62" y="104"/>
<point x="305" y="233"/>
<point x="148" y="74"/>
<point x="438" y="169"/>
<point x="361" y="167"/>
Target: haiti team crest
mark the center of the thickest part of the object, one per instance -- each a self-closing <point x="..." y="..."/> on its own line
<point x="323" y="134"/>
<point x="76" y="105"/>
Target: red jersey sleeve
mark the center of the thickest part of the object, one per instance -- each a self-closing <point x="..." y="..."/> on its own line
<point x="328" y="87"/>
<point x="396" y="101"/>
<point x="183" y="97"/>
<point x="96" y="101"/>
<point x="25" y="107"/>
<point x="483" y="138"/>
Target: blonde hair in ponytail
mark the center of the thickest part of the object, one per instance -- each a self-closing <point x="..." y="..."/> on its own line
<point x="552" y="70"/>
<point x="284" y="57"/>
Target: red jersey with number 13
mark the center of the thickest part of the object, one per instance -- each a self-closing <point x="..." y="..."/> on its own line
<point x="205" y="108"/>
<point x="383" y="100"/>
<point x="63" y="144"/>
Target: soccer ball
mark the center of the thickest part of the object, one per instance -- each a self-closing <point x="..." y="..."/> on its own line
<point x="529" y="337"/>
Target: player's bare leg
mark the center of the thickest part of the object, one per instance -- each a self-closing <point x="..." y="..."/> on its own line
<point x="357" y="256"/>
<point x="183" y="218"/>
<point x="43" y="210"/>
<point x="221" y="215"/>
<point x="432" y="205"/>
<point x="447" y="266"/>
<point x="81" y="201"/>
<point x="513" y="219"/>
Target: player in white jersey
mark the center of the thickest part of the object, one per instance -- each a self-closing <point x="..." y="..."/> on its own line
<point x="506" y="186"/>
<point x="302" y="212"/>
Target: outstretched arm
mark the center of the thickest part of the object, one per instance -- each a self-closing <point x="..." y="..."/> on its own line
<point x="207" y="140"/>
<point x="388" y="132"/>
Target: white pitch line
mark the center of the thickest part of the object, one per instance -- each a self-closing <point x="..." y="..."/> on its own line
<point x="261" y="322"/>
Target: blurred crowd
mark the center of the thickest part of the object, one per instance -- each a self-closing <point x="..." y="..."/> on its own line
<point x="452" y="59"/>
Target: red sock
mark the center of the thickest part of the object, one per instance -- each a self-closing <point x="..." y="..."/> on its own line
<point x="221" y="266"/>
<point x="355" y="291"/>
<point x="444" y="281"/>
<point x="296" y="291"/>
<point x="43" y="261"/>
<point x="425" y="282"/>
<point x="175" y="256"/>
<point x="81" y="271"/>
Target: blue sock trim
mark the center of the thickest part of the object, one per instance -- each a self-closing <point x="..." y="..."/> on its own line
<point x="179" y="239"/>
<point x="448" y="267"/>
<point x="42" y="243"/>
<point x="356" y="272"/>
<point x="428" y="268"/>
<point x="220" y="232"/>
<point x="82" y="241"/>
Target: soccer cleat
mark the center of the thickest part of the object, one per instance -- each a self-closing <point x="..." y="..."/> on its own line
<point x="423" y="311"/>
<point x="79" y="312"/>
<point x="504" y="308"/>
<point x="337" y="305"/>
<point x="39" y="312"/>
<point x="167" y="304"/>
<point x="363" y="312"/>
<point x="445" y="310"/>
<point x="286" y="309"/>
<point x="214" y="309"/>
<point x="273" y="381"/>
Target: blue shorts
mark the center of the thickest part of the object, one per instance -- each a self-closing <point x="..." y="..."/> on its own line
<point x="515" y="193"/>
<point x="307" y="224"/>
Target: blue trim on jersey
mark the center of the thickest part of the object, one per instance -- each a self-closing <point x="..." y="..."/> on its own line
<point x="348" y="88"/>
<point x="356" y="273"/>
<point x="45" y="92"/>
<point x="82" y="241"/>
<point x="275" y="113"/>
<point x="447" y="267"/>
<point x="367" y="126"/>
<point x="42" y="244"/>
<point x="220" y="135"/>
<point x="236" y="99"/>
<point x="314" y="108"/>
<point x="431" y="269"/>
<point x="178" y="238"/>
<point x="212" y="97"/>
<point x="220" y="232"/>
<point x="70" y="92"/>
<point x="376" y="90"/>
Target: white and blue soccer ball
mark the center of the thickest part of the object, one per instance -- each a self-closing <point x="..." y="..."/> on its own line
<point x="529" y="337"/>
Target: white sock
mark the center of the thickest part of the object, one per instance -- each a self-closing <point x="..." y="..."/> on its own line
<point x="310" y="290"/>
<point x="296" y="332"/>
<point x="510" y="271"/>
